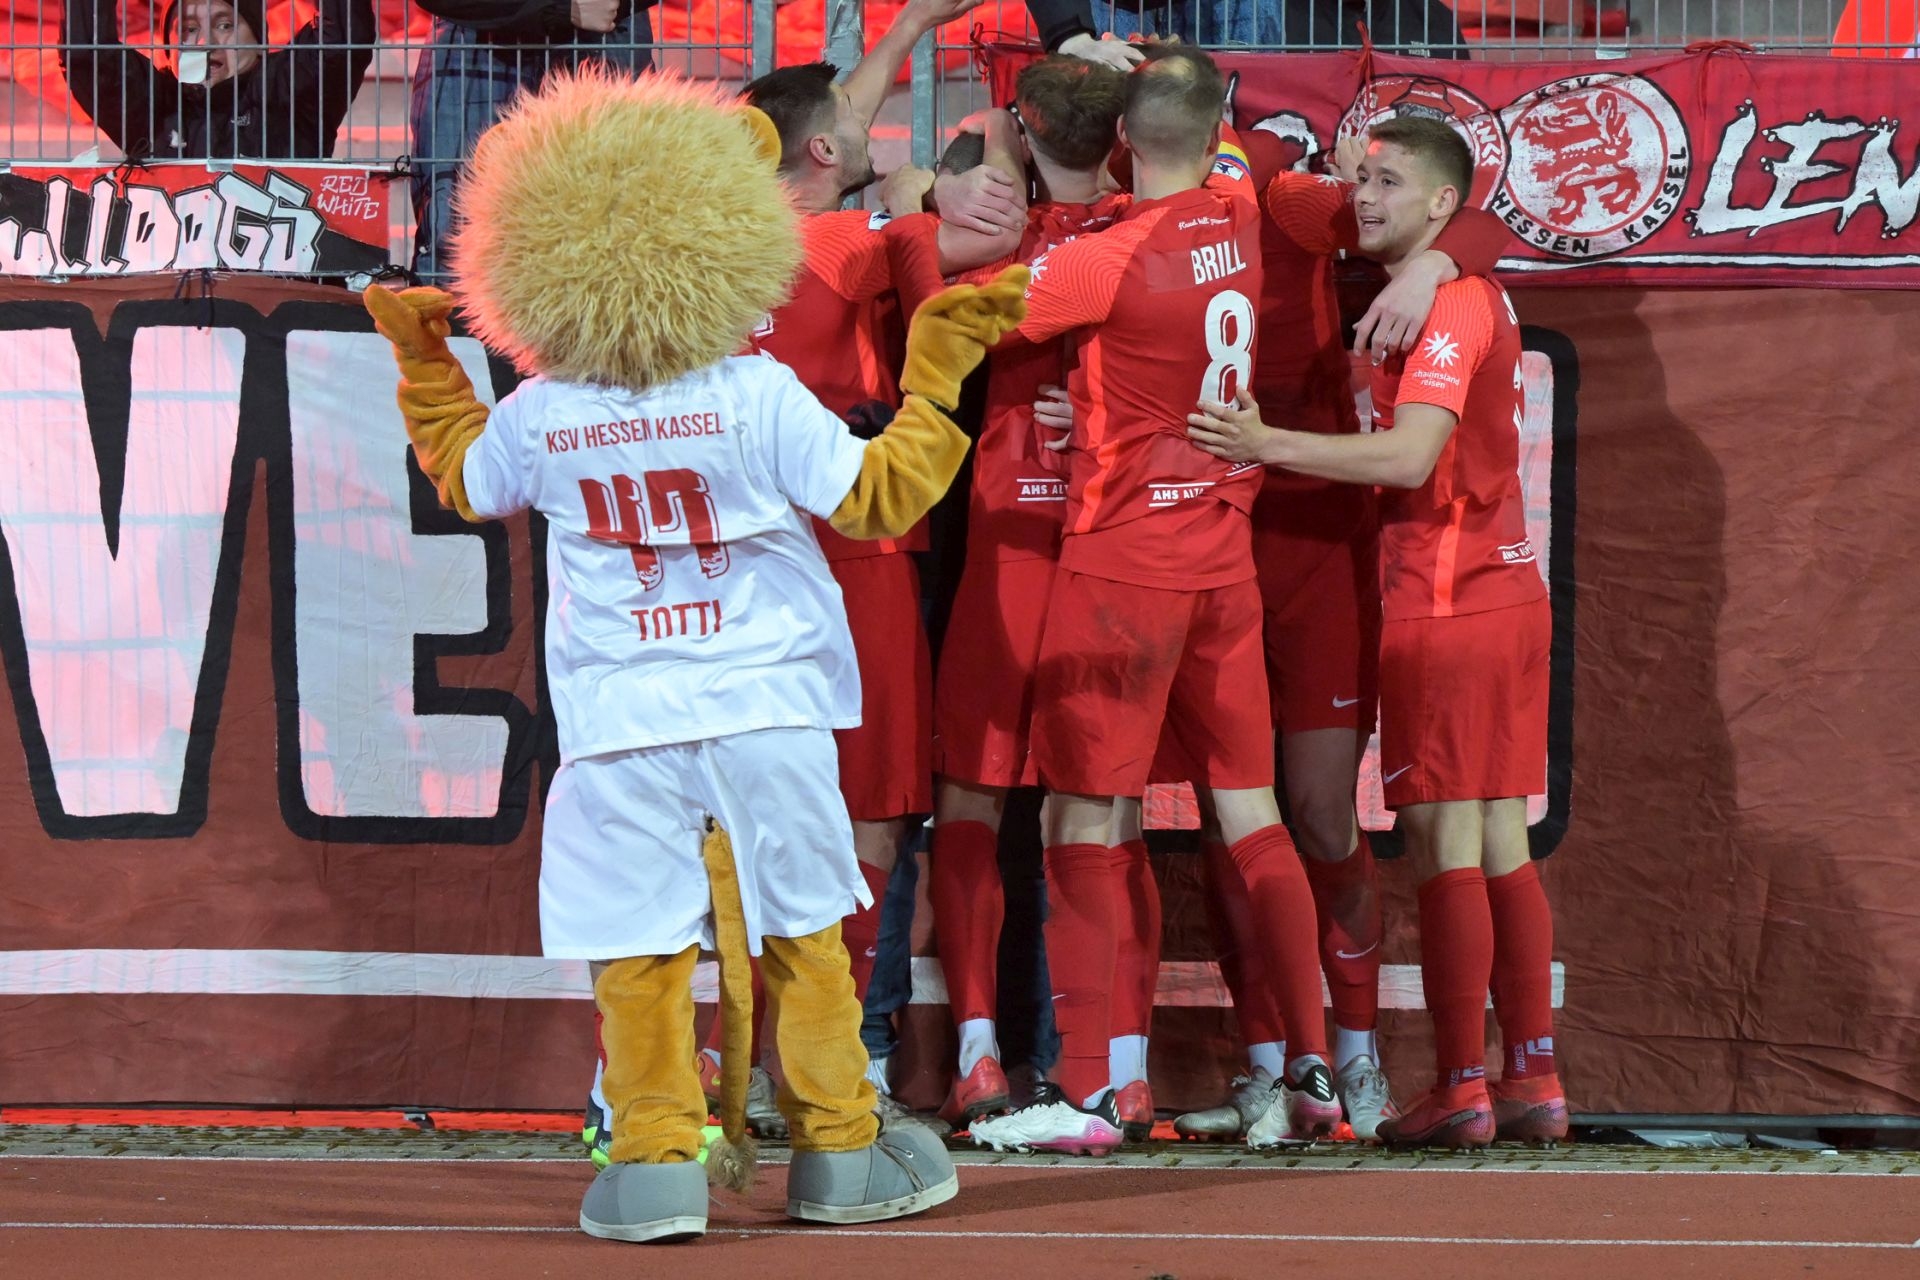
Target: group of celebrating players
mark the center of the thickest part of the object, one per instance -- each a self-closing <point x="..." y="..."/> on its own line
<point x="1181" y="547"/>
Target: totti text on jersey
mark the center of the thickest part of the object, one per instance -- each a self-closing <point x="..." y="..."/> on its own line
<point x="685" y="426"/>
<point x="1217" y="261"/>
<point x="666" y="621"/>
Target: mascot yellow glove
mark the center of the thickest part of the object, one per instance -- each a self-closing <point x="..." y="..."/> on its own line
<point x="909" y="465"/>
<point x="443" y="415"/>
<point x="766" y="134"/>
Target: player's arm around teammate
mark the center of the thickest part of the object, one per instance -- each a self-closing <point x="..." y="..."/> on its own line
<point x="1399" y="459"/>
<point x="1464" y="651"/>
<point x="1154" y="614"/>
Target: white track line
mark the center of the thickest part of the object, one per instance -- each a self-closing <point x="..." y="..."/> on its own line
<point x="1196" y="1164"/>
<point x="273" y="972"/>
<point x="1237" y="1237"/>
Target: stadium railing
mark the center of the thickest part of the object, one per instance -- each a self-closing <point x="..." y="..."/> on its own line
<point x="1544" y="30"/>
<point x="730" y="40"/>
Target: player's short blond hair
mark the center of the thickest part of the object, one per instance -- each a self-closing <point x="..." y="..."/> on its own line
<point x="621" y="230"/>
<point x="1435" y="143"/>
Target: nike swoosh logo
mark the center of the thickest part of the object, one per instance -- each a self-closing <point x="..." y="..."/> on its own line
<point x="1355" y="955"/>
<point x="1344" y="702"/>
<point x="872" y="953"/>
<point x="1396" y="773"/>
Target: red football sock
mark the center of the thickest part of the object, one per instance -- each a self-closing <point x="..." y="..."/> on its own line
<point x="861" y="930"/>
<point x="1137" y="960"/>
<point x="1283" y="913"/>
<point x="1346" y="896"/>
<point x="969" y="907"/>
<point x="1456" y="963"/>
<point x="1523" y="971"/>
<point x="1231" y="914"/>
<point x="1081" y="941"/>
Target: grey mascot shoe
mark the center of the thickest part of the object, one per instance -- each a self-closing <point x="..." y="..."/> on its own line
<point x="659" y="1203"/>
<point x="907" y="1169"/>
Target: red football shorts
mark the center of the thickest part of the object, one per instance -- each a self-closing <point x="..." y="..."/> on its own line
<point x="1322" y="600"/>
<point x="1463" y="705"/>
<point x="886" y="765"/>
<point x="1119" y="662"/>
<point x="983" y="699"/>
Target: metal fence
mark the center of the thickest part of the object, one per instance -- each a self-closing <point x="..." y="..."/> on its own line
<point x="383" y="83"/>
<point x="378" y="84"/>
<point x="1556" y="30"/>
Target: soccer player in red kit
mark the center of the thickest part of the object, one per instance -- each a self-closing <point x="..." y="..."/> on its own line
<point x="1154" y="622"/>
<point x="1464" y="646"/>
<point x="1067" y="109"/>
<point x="1316" y="548"/>
<point x="840" y="332"/>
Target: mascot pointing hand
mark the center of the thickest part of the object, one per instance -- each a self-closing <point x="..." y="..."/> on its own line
<point x="618" y="240"/>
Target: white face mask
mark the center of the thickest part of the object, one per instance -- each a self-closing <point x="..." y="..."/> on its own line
<point x="193" y="66"/>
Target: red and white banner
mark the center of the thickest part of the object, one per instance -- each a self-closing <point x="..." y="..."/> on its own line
<point x="274" y="746"/>
<point x="280" y="219"/>
<point x="1717" y="166"/>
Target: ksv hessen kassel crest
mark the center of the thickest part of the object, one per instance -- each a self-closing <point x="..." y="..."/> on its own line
<point x="1388" y="96"/>
<point x="1599" y="162"/>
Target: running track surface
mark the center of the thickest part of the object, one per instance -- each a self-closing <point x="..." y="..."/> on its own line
<point x="175" y="1218"/>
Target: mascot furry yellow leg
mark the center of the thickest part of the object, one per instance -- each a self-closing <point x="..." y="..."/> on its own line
<point x="654" y="1190"/>
<point x="618" y="240"/>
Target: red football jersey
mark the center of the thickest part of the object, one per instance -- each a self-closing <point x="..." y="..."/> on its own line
<point x="1020" y="488"/>
<point x="1302" y="376"/>
<point x="1166" y="300"/>
<point x="1458" y="544"/>
<point x="842" y="335"/>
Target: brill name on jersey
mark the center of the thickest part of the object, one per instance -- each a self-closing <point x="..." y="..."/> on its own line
<point x="1217" y="261"/>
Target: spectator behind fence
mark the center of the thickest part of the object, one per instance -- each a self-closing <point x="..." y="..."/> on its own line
<point x="484" y="53"/>
<point x="1096" y="29"/>
<point x="224" y="93"/>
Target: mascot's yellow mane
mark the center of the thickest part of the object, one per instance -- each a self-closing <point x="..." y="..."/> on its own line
<point x="621" y="231"/>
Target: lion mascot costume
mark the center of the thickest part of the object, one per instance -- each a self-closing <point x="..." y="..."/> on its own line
<point x="618" y="240"/>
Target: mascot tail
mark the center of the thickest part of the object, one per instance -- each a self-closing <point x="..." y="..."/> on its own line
<point x="731" y="1157"/>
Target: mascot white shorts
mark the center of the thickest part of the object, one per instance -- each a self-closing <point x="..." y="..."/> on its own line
<point x="620" y="866"/>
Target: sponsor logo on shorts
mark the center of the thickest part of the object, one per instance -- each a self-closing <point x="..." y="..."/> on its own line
<point x="1396" y="773"/>
<point x="1041" y="489"/>
<point x="1342" y="703"/>
<point x="1356" y="955"/>
<point x="1165" y="494"/>
<point x="1520" y="552"/>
